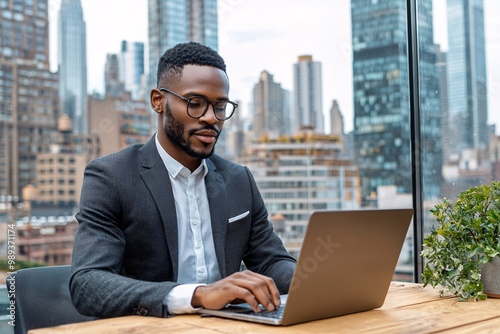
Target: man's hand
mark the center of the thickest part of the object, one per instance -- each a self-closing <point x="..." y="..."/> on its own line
<point x="245" y="286"/>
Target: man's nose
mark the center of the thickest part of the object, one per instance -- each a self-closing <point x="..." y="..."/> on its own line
<point x="209" y="116"/>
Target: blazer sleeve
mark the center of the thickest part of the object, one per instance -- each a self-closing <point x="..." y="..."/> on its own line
<point x="97" y="285"/>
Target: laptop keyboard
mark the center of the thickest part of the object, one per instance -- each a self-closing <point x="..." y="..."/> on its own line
<point x="276" y="314"/>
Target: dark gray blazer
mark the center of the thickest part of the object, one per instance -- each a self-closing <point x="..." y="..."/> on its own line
<point x="125" y="257"/>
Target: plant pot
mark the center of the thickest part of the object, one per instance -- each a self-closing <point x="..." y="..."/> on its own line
<point x="490" y="276"/>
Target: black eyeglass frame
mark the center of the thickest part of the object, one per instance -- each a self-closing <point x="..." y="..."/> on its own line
<point x="188" y="100"/>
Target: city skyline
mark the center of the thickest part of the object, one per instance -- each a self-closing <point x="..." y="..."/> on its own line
<point x="252" y="40"/>
<point x="48" y="160"/>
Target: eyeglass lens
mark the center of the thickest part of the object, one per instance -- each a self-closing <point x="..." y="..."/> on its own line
<point x="197" y="107"/>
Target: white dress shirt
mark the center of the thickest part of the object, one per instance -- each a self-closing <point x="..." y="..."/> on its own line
<point x="197" y="261"/>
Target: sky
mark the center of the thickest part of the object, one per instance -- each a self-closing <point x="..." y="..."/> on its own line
<point x="257" y="35"/>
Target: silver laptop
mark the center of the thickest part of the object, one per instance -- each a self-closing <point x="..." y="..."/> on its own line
<point x="345" y="265"/>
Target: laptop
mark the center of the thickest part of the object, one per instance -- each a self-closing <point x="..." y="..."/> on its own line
<point x="345" y="265"/>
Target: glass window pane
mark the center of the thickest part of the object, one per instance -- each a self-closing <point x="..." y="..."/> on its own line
<point x="382" y="136"/>
<point x="457" y="93"/>
<point x="333" y="132"/>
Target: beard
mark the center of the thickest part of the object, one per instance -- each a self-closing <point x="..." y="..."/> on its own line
<point x="174" y="130"/>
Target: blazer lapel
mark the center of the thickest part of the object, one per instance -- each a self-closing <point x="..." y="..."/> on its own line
<point x="216" y="193"/>
<point x="156" y="178"/>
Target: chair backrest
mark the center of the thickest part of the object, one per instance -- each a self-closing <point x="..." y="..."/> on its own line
<point x="42" y="298"/>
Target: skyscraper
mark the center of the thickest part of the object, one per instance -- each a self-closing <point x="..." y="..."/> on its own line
<point x="467" y="82"/>
<point x="178" y="21"/>
<point x="270" y="112"/>
<point x="29" y="102"/>
<point x="308" y="101"/>
<point x="443" y="101"/>
<point x="114" y="86"/>
<point x="72" y="59"/>
<point x="381" y="101"/>
<point x="430" y="105"/>
<point x="132" y="67"/>
<point x="336" y="120"/>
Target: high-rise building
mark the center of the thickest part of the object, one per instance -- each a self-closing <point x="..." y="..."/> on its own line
<point x="430" y="105"/>
<point x="171" y="22"/>
<point x="308" y="94"/>
<point x="72" y="61"/>
<point x="113" y="85"/>
<point x="178" y="21"/>
<point x="381" y="101"/>
<point x="270" y="114"/>
<point x="235" y="135"/>
<point x="299" y="174"/>
<point x="443" y="100"/>
<point x="24" y="30"/>
<point x="467" y="80"/>
<point x="336" y="120"/>
<point x="59" y="173"/>
<point x="29" y="102"/>
<point x="380" y="91"/>
<point x="119" y="122"/>
<point x="132" y="68"/>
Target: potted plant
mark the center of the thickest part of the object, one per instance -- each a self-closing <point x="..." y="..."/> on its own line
<point x="465" y="245"/>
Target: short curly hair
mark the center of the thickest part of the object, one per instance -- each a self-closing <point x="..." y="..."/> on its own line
<point x="174" y="59"/>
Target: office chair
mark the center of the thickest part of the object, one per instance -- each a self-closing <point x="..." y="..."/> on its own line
<point x="42" y="298"/>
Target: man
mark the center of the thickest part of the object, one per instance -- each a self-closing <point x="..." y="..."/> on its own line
<point x="164" y="226"/>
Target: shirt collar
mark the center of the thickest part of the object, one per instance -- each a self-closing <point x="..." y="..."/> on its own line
<point x="174" y="167"/>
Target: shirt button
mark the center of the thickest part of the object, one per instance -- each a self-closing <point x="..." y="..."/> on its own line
<point x="194" y="221"/>
<point x="197" y="246"/>
<point x="201" y="270"/>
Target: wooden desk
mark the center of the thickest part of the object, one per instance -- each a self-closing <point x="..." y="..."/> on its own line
<point x="408" y="308"/>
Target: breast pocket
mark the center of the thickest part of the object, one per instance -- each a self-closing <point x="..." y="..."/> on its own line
<point x="238" y="217"/>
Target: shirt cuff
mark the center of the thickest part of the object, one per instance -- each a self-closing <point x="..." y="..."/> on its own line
<point x="178" y="299"/>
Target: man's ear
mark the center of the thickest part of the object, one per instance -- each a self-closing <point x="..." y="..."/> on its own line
<point x="156" y="98"/>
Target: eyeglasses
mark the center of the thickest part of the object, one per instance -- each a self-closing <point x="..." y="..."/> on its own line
<point x="197" y="106"/>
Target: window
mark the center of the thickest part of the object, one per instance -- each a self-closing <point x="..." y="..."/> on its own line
<point x="407" y="108"/>
<point x="407" y="133"/>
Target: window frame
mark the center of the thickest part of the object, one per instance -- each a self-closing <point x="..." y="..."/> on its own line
<point x="415" y="138"/>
